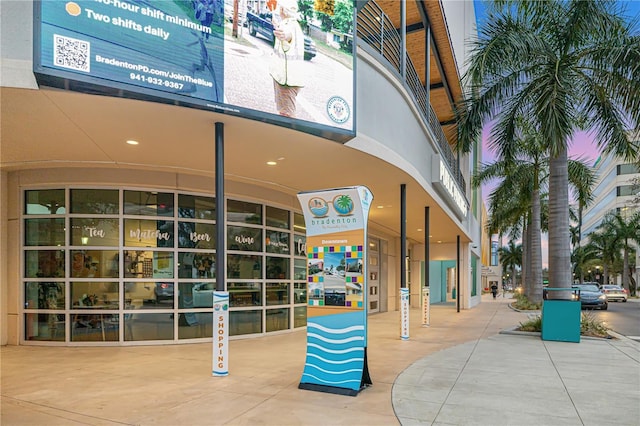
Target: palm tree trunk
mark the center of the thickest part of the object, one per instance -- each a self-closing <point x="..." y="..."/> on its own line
<point x="625" y="266"/>
<point x="525" y="260"/>
<point x="536" y="247"/>
<point x="559" y="238"/>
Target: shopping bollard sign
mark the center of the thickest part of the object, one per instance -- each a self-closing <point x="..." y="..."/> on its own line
<point x="220" y="334"/>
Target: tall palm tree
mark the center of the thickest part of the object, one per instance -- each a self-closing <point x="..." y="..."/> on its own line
<point x="511" y="258"/>
<point x="605" y="245"/>
<point x="566" y="65"/>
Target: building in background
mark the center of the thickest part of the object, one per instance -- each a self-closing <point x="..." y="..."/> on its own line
<point x="108" y="221"/>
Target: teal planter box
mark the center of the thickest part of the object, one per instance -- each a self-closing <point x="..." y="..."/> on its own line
<point x="561" y="320"/>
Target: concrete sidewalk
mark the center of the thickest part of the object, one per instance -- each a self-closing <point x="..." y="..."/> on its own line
<point x="459" y="370"/>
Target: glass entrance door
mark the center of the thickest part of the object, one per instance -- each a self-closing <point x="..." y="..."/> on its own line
<point x="374" y="276"/>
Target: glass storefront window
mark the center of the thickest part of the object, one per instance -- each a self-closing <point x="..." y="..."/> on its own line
<point x="44" y="263"/>
<point x="44" y="327"/>
<point x="243" y="238"/>
<point x="196" y="295"/>
<point x="277" y="242"/>
<point x="195" y="325"/>
<point x="44" y="201"/>
<point x="148" y="203"/>
<point x="148" y="264"/>
<point x="94" y="295"/>
<point x="277" y="293"/>
<point x="298" y="223"/>
<point x="196" y="265"/>
<point x="277" y="268"/>
<point x="149" y="295"/>
<point x="95" y="232"/>
<point x="244" y="267"/>
<point x="99" y="272"/>
<point x="299" y="316"/>
<point x="245" y="322"/>
<point x="44" y="295"/>
<point x="95" y="201"/>
<point x="299" y="269"/>
<point x="277" y="218"/>
<point x="148" y="233"/>
<point x="300" y="245"/>
<point x="244" y="212"/>
<point x="141" y="326"/>
<point x="245" y="294"/>
<point x="92" y="327"/>
<point x="277" y="319"/>
<point x="299" y="293"/>
<point x="94" y="264"/>
<point x="44" y="232"/>
<point x="196" y="235"/>
<point x="196" y="207"/>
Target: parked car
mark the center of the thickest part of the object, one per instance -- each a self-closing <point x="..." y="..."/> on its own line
<point x="615" y="292"/>
<point x="591" y="296"/>
<point x="260" y="24"/>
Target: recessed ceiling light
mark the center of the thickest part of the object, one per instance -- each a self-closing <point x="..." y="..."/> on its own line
<point x="132" y="142"/>
<point x="430" y="236"/>
<point x="381" y="207"/>
<point x="419" y="229"/>
<point x="439" y="241"/>
<point x="280" y="158"/>
<point x="271" y="163"/>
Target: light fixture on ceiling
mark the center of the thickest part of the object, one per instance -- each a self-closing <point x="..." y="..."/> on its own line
<point x="132" y="142"/>
<point x="439" y="241"/>
<point x="271" y="163"/>
<point x="419" y="229"/>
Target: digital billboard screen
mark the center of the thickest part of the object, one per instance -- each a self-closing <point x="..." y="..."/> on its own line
<point x="183" y="52"/>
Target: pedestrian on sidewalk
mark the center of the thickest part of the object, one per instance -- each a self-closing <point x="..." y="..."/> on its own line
<point x="494" y="290"/>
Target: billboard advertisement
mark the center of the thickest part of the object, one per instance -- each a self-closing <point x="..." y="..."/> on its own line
<point x="336" y="222"/>
<point x="184" y="52"/>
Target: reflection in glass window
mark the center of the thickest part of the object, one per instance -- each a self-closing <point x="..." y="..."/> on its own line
<point x="243" y="266"/>
<point x="277" y="268"/>
<point x="94" y="295"/>
<point x="148" y="203"/>
<point x="44" y="327"/>
<point x="299" y="316"/>
<point x="196" y="295"/>
<point x="196" y="235"/>
<point x="94" y="327"/>
<point x="196" y="207"/>
<point x="95" y="201"/>
<point x="244" y="238"/>
<point x="148" y="233"/>
<point x="148" y="264"/>
<point x="245" y="322"/>
<point x="95" y="232"/>
<point x="300" y="245"/>
<point x="244" y="212"/>
<point x="298" y="223"/>
<point x="299" y="293"/>
<point x="195" y="325"/>
<point x="299" y="269"/>
<point x="245" y="294"/>
<point x="277" y="319"/>
<point x="196" y="265"/>
<point x="41" y="295"/>
<point x="149" y="295"/>
<point x="277" y="218"/>
<point x="44" y="201"/>
<point x="155" y="326"/>
<point x="44" y="263"/>
<point x="44" y="232"/>
<point x="277" y="242"/>
<point x="277" y="293"/>
<point x="94" y="264"/>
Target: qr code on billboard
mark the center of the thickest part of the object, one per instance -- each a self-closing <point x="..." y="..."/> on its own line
<point x="71" y="53"/>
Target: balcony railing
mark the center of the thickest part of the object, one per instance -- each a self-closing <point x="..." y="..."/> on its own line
<point x="378" y="32"/>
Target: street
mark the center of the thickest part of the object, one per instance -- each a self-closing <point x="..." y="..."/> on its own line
<point x="623" y="318"/>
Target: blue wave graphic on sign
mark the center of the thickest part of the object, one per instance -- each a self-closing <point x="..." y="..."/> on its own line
<point x="335" y="350"/>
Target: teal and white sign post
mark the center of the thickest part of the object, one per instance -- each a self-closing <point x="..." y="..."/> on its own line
<point x="220" y="333"/>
